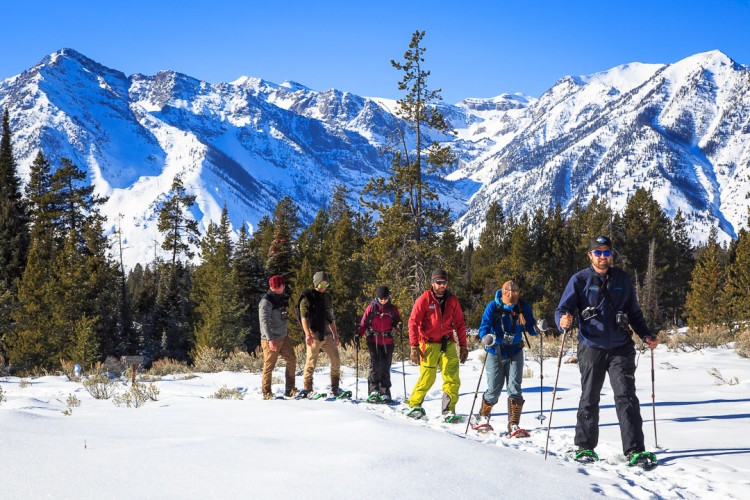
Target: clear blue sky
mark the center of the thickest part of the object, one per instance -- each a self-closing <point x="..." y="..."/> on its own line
<point x="474" y="49"/>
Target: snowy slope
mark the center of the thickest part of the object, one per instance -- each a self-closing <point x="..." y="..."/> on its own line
<point x="188" y="445"/>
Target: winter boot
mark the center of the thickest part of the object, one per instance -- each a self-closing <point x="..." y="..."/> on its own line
<point x="514" y="414"/>
<point x="385" y="396"/>
<point x="484" y="413"/>
<point x="290" y="393"/>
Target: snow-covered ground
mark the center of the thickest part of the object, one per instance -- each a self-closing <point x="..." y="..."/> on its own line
<point x="188" y="445"/>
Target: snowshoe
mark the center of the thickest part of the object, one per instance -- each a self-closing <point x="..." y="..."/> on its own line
<point x="267" y="396"/>
<point x="318" y="395"/>
<point x="386" y="399"/>
<point x="517" y="432"/>
<point x="339" y="394"/>
<point x="482" y="428"/>
<point x="584" y="456"/>
<point x="374" y="398"/>
<point x="303" y="394"/>
<point x="481" y="424"/>
<point x="451" y="418"/>
<point x="643" y="459"/>
<point x="416" y="412"/>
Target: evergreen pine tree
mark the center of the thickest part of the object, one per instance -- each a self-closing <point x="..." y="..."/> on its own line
<point x="14" y="230"/>
<point x="143" y="285"/>
<point x="345" y="264"/>
<point x="411" y="218"/>
<point x="251" y="284"/>
<point x="704" y="304"/>
<point x="676" y="279"/>
<point x="737" y="290"/>
<point x="644" y="224"/>
<point x="218" y="311"/>
<point x="68" y="308"/>
<point x="180" y="232"/>
<point x="173" y="313"/>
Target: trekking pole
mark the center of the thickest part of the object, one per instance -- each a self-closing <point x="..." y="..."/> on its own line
<point x="403" y="362"/>
<point x="543" y="331"/>
<point x="490" y="340"/>
<point x="653" y="397"/>
<point x="554" y="389"/>
<point x="356" y="363"/>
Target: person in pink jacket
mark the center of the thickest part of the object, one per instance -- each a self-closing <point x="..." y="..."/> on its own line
<point x="436" y="324"/>
<point x="378" y="323"/>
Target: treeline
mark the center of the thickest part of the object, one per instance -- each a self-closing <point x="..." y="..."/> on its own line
<point x="68" y="298"/>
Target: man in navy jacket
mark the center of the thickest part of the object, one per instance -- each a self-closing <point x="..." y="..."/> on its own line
<point x="604" y="301"/>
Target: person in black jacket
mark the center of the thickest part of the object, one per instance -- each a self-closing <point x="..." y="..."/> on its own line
<point x="604" y="301"/>
<point x="319" y="326"/>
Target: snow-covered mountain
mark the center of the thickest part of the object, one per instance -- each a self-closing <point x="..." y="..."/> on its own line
<point x="680" y="130"/>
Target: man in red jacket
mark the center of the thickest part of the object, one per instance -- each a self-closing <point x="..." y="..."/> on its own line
<point x="435" y="324"/>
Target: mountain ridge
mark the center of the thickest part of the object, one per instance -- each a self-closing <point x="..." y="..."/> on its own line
<point x="679" y="129"/>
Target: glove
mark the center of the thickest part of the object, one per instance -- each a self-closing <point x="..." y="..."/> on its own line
<point x="488" y="340"/>
<point x="414" y="355"/>
<point x="652" y="341"/>
<point x="463" y="353"/>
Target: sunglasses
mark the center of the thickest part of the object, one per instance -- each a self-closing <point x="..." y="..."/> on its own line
<point x="599" y="253"/>
<point x="324" y="285"/>
<point x="440" y="282"/>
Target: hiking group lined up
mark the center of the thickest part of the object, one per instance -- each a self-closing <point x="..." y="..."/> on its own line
<point x="601" y="298"/>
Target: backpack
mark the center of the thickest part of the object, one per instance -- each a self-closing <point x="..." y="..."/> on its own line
<point x="388" y="310"/>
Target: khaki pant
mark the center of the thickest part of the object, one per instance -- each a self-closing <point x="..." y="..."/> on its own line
<point x="328" y="346"/>
<point x="286" y="351"/>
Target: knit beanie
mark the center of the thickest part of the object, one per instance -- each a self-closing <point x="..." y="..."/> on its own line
<point x="319" y="277"/>
<point x="276" y="281"/>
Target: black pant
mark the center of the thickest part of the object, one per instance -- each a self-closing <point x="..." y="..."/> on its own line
<point x="379" y="379"/>
<point x="619" y="364"/>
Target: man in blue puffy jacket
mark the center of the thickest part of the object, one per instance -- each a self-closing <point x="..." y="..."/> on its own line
<point x="505" y="318"/>
<point x="604" y="301"/>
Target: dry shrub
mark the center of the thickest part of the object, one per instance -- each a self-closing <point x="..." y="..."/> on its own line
<point x="137" y="396"/>
<point x="742" y="343"/>
<point x="209" y="360"/>
<point x="168" y="366"/>
<point x="300" y="351"/>
<point x="348" y="355"/>
<point x="100" y="386"/>
<point x="698" y="338"/>
<point x="226" y="393"/>
<point x="242" y="361"/>
<point x="68" y="369"/>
